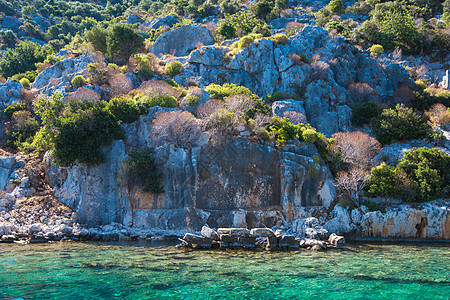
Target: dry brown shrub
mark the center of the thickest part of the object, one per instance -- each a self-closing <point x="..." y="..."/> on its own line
<point x="159" y="87"/>
<point x="295" y="117"/>
<point x="320" y="69"/>
<point x="404" y="93"/>
<point x="361" y="92"/>
<point x="239" y="104"/>
<point x="43" y="66"/>
<point x="357" y="148"/>
<point x="2" y="79"/>
<point x="297" y="59"/>
<point x="120" y="84"/>
<point x="211" y="26"/>
<point x="438" y="114"/>
<point x="181" y="129"/>
<point x="192" y="82"/>
<point x="293" y="27"/>
<point x="208" y="108"/>
<point x="286" y="13"/>
<point x="351" y="183"/>
<point x="98" y="57"/>
<point x="84" y="94"/>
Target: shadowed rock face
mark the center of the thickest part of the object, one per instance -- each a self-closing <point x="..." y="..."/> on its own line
<point x="235" y="184"/>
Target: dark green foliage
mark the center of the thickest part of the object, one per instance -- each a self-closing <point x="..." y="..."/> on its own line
<point x="384" y="181"/>
<point x="7" y="8"/>
<point x="171" y="82"/>
<point x="227" y="30"/>
<point x="21" y="128"/>
<point x="399" y="123"/>
<point x="82" y="133"/>
<point x="140" y="170"/>
<point x="428" y="172"/>
<point x="119" y="41"/>
<point x="22" y="59"/>
<point x="122" y="41"/>
<point x="8" y="38"/>
<point x="13" y="107"/>
<point x="78" y="81"/>
<point x="364" y="113"/>
<point x="143" y="103"/>
<point x="424" y="99"/>
<point x="173" y="69"/>
<point x="284" y="131"/>
<point x="30" y="75"/>
<point x="125" y="110"/>
<point x="246" y="22"/>
<point x="98" y="74"/>
<point x="97" y="37"/>
<point x="336" y="5"/>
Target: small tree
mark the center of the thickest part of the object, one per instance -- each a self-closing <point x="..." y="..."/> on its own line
<point x="351" y="183"/>
<point x="122" y="41"/>
<point x="173" y="69"/>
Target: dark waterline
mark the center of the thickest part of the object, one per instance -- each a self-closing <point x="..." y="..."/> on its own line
<point x="143" y="270"/>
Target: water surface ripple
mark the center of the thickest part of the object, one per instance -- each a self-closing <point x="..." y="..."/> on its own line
<point x="143" y="271"/>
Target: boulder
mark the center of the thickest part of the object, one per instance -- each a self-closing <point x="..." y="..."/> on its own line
<point x="197" y="239"/>
<point x="317" y="233"/>
<point x="133" y="19"/>
<point x="241" y="232"/>
<point x="182" y="40"/>
<point x="9" y="92"/>
<point x="58" y="77"/>
<point x="336" y="240"/>
<point x="306" y="243"/>
<point x="261" y="232"/>
<point x="288" y="241"/>
<point x="168" y="20"/>
<point x="340" y="222"/>
<point x="210" y="233"/>
<point x="280" y="107"/>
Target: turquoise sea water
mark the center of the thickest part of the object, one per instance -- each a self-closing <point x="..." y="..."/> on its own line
<point x="142" y="271"/>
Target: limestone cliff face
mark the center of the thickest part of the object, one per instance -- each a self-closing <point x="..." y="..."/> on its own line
<point x="428" y="221"/>
<point x="236" y="183"/>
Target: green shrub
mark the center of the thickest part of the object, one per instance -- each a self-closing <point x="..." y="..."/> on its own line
<point x="143" y="103"/>
<point x="262" y="134"/>
<point x="82" y="134"/>
<point x="277" y="96"/>
<point x="399" y="123"/>
<point x="222" y="92"/>
<point x="22" y="58"/>
<point x="245" y="41"/>
<point x="144" y="66"/>
<point x="424" y="99"/>
<point x="310" y="135"/>
<point x="428" y="171"/>
<point x="174" y="68"/>
<point x="97" y="74"/>
<point x="192" y="100"/>
<point x="364" y="113"/>
<point x="21" y="129"/>
<point x="227" y="30"/>
<point x="30" y="75"/>
<point x="279" y="39"/>
<point x="25" y="82"/>
<point x="78" y="81"/>
<point x="376" y="50"/>
<point x="171" y="82"/>
<point x="140" y="170"/>
<point x="336" y="5"/>
<point x="125" y="110"/>
<point x="13" y="107"/>
<point x="384" y="181"/>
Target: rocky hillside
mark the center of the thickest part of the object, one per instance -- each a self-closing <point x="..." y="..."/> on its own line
<point x="127" y="121"/>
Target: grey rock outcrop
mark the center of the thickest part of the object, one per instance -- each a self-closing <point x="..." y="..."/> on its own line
<point x="265" y="67"/>
<point x="158" y="22"/>
<point x="9" y="92"/>
<point x="181" y="40"/>
<point x="58" y="77"/>
<point x="133" y="19"/>
<point x="238" y="183"/>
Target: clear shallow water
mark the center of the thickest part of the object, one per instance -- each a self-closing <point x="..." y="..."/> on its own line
<point x="138" y="271"/>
